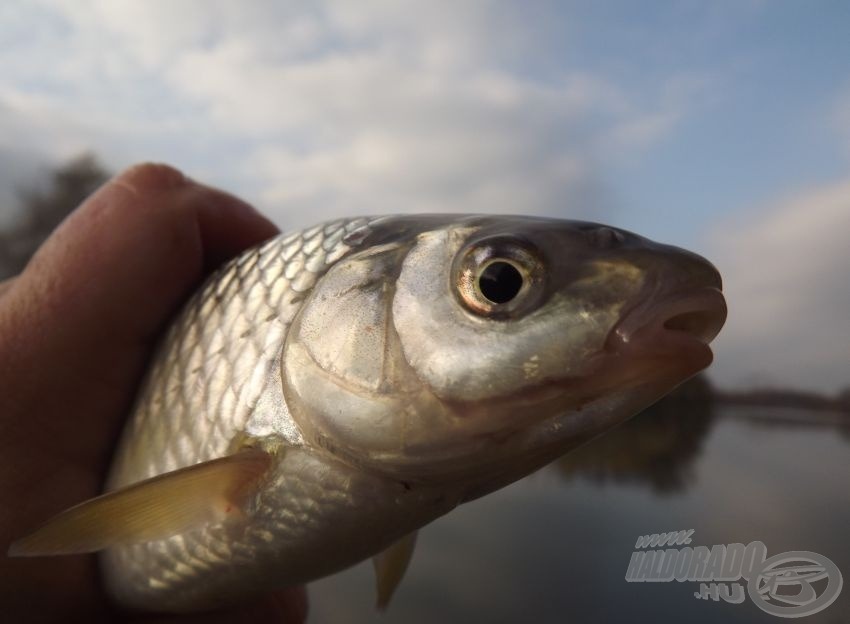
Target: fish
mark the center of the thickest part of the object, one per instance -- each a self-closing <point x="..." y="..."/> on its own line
<point x="326" y="394"/>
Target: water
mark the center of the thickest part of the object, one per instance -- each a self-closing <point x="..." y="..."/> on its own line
<point x="555" y="547"/>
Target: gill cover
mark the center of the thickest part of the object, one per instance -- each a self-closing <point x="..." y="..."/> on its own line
<point x="398" y="359"/>
<point x="345" y="378"/>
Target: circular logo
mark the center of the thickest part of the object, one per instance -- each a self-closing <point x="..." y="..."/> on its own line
<point x="783" y="585"/>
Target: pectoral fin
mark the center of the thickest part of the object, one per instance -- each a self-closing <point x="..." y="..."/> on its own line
<point x="153" y="509"/>
<point x="390" y="566"/>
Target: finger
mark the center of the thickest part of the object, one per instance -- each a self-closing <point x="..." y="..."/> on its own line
<point x="5" y="285"/>
<point x="149" y="235"/>
<point x="285" y="606"/>
<point x="82" y="318"/>
<point x="77" y="328"/>
<point x="75" y="332"/>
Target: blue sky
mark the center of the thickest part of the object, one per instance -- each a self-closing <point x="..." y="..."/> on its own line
<point x="723" y="127"/>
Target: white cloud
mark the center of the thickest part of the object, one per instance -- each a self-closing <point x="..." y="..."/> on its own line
<point x="840" y="117"/>
<point x="320" y="109"/>
<point x="786" y="274"/>
<point x="317" y="109"/>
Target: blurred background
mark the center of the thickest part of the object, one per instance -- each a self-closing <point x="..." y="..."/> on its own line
<point x="722" y="127"/>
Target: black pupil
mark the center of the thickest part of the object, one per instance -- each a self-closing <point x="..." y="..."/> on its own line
<point x="500" y="282"/>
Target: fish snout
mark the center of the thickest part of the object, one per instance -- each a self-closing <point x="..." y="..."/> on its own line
<point x="673" y="333"/>
<point x="677" y="314"/>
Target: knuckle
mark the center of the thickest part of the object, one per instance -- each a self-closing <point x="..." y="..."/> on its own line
<point x="152" y="176"/>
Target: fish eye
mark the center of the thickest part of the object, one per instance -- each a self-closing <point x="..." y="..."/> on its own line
<point x="500" y="281"/>
<point x="499" y="278"/>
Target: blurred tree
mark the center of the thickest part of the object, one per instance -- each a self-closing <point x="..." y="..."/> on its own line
<point x="844" y="399"/>
<point x="44" y="207"/>
<point x="658" y="447"/>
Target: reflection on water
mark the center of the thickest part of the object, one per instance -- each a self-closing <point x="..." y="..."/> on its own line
<point x="556" y="549"/>
<point x="657" y="447"/>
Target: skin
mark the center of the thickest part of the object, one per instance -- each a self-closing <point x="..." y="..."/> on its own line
<point x="76" y="331"/>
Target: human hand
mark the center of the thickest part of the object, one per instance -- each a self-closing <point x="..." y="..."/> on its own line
<point x="76" y="330"/>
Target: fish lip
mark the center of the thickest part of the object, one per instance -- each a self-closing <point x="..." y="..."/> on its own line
<point x="677" y="325"/>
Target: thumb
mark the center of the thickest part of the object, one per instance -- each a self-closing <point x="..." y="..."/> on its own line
<point x="77" y="326"/>
<point x="285" y="606"/>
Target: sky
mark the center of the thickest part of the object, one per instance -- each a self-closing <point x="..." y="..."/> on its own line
<point x="723" y="127"/>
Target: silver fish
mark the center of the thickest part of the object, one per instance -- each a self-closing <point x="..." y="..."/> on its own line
<point x="328" y="393"/>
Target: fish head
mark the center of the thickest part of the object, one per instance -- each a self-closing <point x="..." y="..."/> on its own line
<point x="474" y="350"/>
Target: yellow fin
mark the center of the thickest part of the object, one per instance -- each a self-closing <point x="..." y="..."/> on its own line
<point x="390" y="566"/>
<point x="153" y="509"/>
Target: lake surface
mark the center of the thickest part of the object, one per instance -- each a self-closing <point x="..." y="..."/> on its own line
<point x="555" y="546"/>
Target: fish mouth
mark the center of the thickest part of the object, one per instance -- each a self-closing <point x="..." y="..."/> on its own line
<point x="674" y="331"/>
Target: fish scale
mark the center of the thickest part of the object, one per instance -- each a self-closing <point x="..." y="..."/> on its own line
<point x="204" y="387"/>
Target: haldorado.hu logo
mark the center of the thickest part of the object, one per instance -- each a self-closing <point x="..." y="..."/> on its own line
<point x="791" y="584"/>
